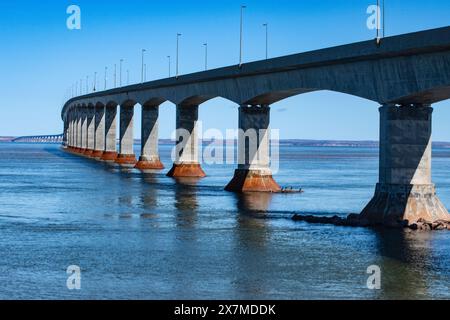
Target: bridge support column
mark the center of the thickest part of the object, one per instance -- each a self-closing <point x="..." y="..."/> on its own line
<point x="65" y="141"/>
<point x="72" y="131"/>
<point x="69" y="131"/>
<point x="99" y="141"/>
<point x="253" y="173"/>
<point x="83" y="130"/>
<point x="90" y="119"/>
<point x="405" y="192"/>
<point x="78" y="131"/>
<point x="110" y="154"/>
<point x="149" y="159"/>
<point x="126" y="158"/>
<point x="186" y="163"/>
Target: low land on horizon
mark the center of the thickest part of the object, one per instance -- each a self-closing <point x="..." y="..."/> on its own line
<point x="295" y="142"/>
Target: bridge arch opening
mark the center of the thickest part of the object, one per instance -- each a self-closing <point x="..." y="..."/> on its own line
<point x="317" y="131"/>
<point x="441" y="151"/>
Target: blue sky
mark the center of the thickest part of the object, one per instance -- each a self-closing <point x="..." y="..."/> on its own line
<point x="40" y="58"/>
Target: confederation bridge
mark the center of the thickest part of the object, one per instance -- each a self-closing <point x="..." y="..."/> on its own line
<point x="405" y="74"/>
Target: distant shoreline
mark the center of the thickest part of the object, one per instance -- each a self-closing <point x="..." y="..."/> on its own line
<point x="293" y="142"/>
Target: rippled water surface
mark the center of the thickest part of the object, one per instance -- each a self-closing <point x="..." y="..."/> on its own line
<point x="145" y="236"/>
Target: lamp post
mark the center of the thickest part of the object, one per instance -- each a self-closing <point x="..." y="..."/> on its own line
<point x="266" y="25"/>
<point x="115" y="75"/>
<point x="380" y="20"/>
<point x="206" y="55"/>
<point x="128" y="77"/>
<point x="241" y="35"/>
<point x="120" y="72"/>
<point x="106" y="78"/>
<point x="178" y="51"/>
<point x="170" y="63"/>
<point x="95" y="81"/>
<point x="142" y="66"/>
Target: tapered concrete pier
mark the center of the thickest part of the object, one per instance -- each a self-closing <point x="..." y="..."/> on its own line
<point x="405" y="192"/>
<point x="70" y="138"/>
<point x="99" y="142"/>
<point x="90" y="132"/>
<point x="83" y="143"/>
<point x="187" y="163"/>
<point x="253" y="173"/>
<point x="149" y="159"/>
<point x="110" y="153"/>
<point x="126" y="157"/>
<point x="65" y="142"/>
<point x="78" y="131"/>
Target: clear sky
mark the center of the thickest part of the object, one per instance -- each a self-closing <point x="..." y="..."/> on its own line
<point x="40" y="58"/>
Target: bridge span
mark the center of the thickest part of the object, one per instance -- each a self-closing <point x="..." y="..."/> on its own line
<point x="57" y="138"/>
<point x="405" y="74"/>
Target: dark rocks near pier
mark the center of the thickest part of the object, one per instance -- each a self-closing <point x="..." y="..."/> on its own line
<point x="423" y="225"/>
<point x="355" y="220"/>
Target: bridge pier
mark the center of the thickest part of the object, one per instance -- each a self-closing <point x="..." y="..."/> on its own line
<point x="253" y="173"/>
<point x="90" y="119"/>
<point x="187" y="164"/>
<point x="99" y="141"/>
<point x="72" y="131"/>
<point x="69" y="131"/>
<point x="65" y="142"/>
<point x="149" y="159"/>
<point x="126" y="157"/>
<point x="110" y="153"/>
<point x="405" y="191"/>
<point x="78" y="130"/>
<point x="73" y="134"/>
<point x="83" y="144"/>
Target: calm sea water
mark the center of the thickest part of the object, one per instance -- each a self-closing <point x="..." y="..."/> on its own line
<point x="144" y="236"/>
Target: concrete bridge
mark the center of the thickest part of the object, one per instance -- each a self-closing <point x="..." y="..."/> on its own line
<point x="58" y="138"/>
<point x="405" y="74"/>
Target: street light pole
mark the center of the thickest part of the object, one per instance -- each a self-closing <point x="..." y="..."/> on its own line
<point x="87" y="84"/>
<point x="128" y="77"/>
<point x="178" y="51"/>
<point x="241" y="35"/>
<point x="266" y="25"/>
<point x="106" y="78"/>
<point x="142" y="66"/>
<point x="145" y="72"/>
<point x="206" y="55"/>
<point x="378" y="20"/>
<point x="95" y="81"/>
<point x="81" y="87"/>
<point x="170" y="73"/>
<point x="115" y="75"/>
<point x="120" y="73"/>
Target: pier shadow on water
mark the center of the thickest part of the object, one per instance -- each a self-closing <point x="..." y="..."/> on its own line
<point x="251" y="236"/>
<point x="186" y="202"/>
<point x="406" y="262"/>
<point x="252" y="215"/>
